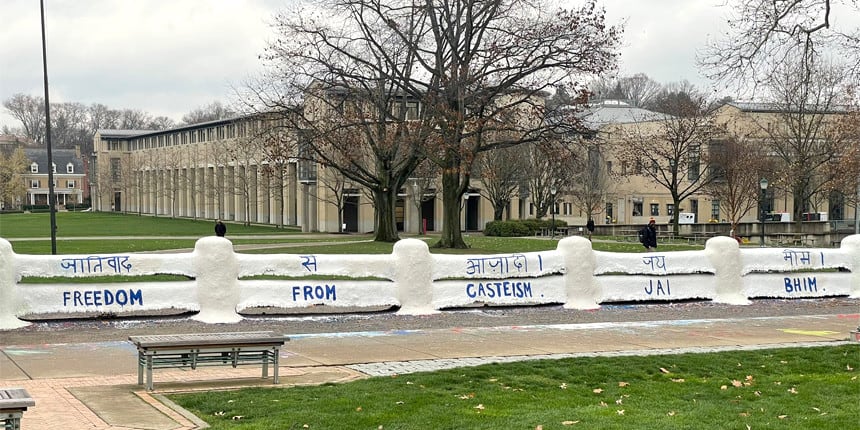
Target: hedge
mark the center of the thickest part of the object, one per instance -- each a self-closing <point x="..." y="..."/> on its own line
<point x="524" y="227"/>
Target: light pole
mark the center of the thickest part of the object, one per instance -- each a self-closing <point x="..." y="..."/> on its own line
<point x="763" y="185"/>
<point x="552" y="191"/>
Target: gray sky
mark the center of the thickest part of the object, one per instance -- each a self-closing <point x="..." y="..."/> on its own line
<point x="168" y="57"/>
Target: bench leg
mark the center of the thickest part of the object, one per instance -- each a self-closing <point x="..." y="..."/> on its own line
<point x="140" y="367"/>
<point x="277" y="354"/>
<point x="149" y="373"/>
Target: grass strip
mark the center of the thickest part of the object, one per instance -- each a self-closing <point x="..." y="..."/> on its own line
<point x="792" y="388"/>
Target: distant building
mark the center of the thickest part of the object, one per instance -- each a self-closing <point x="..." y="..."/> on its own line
<point x="69" y="176"/>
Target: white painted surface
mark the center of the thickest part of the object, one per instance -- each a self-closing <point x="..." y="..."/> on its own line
<point x="419" y="282"/>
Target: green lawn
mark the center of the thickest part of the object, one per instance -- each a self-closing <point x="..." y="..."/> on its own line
<point x="83" y="224"/>
<point x="102" y="224"/>
<point x="794" y="388"/>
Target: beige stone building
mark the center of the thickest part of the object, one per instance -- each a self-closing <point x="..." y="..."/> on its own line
<point x="219" y="169"/>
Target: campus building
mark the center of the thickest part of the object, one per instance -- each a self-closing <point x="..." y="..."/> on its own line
<point x="222" y="169"/>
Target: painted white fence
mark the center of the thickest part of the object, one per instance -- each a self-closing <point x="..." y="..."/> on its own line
<point x="419" y="282"/>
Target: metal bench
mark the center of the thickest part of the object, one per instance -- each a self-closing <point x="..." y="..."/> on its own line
<point x="13" y="403"/>
<point x="207" y="349"/>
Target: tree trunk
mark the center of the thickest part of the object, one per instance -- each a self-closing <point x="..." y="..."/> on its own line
<point x="452" y="192"/>
<point x="386" y="227"/>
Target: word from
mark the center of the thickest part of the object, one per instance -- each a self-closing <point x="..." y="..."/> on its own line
<point x="308" y="262"/>
<point x="499" y="289"/>
<point x="93" y="264"/>
<point x="657" y="288"/>
<point x="655" y="261"/>
<point x="801" y="285"/>
<point x="102" y="298"/>
<point x="796" y="258"/>
<point x="499" y="264"/>
<point x="314" y="292"/>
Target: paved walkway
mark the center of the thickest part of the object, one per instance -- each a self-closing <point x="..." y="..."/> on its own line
<point x="94" y="385"/>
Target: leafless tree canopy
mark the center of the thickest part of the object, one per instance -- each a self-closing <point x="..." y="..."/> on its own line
<point x="479" y="70"/>
<point x="764" y="33"/>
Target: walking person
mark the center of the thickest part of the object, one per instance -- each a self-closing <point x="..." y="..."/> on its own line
<point x="590" y="227"/>
<point x="220" y="228"/>
<point x="648" y="236"/>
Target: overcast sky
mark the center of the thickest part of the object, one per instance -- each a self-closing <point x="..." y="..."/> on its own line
<point x="168" y="57"/>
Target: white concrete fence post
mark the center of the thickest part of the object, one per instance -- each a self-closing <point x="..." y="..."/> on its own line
<point x="413" y="277"/>
<point x="216" y="270"/>
<point x="851" y="245"/>
<point x="725" y="255"/>
<point x="580" y="285"/>
<point x="9" y="296"/>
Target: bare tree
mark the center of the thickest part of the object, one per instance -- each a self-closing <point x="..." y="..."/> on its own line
<point x="638" y="90"/>
<point x="737" y="163"/>
<point x="211" y="112"/>
<point x="669" y="151"/>
<point x="764" y="33"/>
<point x="501" y="172"/>
<point x="30" y="111"/>
<point x="548" y="161"/>
<point x="590" y="181"/>
<point x="474" y="67"/>
<point x="805" y="140"/>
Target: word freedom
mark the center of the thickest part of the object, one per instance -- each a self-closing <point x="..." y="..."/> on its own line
<point x="102" y="298"/>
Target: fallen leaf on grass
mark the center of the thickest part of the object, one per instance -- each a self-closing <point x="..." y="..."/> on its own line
<point x="620" y="412"/>
<point x="563" y="386"/>
<point x="400" y="402"/>
<point x="782" y="417"/>
<point x="678" y="380"/>
<point x="671" y="413"/>
<point x="538" y="427"/>
<point x="237" y="418"/>
<point x="724" y="387"/>
<point x="597" y="390"/>
<point x="792" y="390"/>
<point x="603" y="404"/>
<point x="619" y="401"/>
<point x="664" y="370"/>
<point x="736" y="383"/>
<point x="480" y="407"/>
<point x="623" y="384"/>
<point x="358" y="409"/>
<point x="744" y="414"/>
<point x="569" y="423"/>
<point x="219" y="414"/>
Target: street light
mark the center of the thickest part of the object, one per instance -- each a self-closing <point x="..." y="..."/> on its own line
<point x="763" y="185"/>
<point x="552" y="191"/>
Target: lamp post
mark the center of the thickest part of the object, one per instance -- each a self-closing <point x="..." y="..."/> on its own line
<point x="552" y="191"/>
<point x="763" y="185"/>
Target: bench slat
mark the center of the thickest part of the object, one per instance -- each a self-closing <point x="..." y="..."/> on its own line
<point x="201" y="339"/>
<point x="15" y="399"/>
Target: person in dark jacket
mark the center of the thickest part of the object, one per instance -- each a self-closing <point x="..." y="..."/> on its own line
<point x="220" y="228"/>
<point x="648" y="236"/>
<point x="590" y="227"/>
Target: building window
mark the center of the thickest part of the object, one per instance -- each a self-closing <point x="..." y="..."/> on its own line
<point x="655" y="209"/>
<point x="715" y="209"/>
<point x="670" y="209"/>
<point x="568" y="208"/>
<point x="609" y="213"/>
<point x="70" y="168"/>
<point x="34" y="168"/>
<point x="637" y="208"/>
<point x="53" y="167"/>
<point x="531" y="208"/>
<point x="70" y="184"/>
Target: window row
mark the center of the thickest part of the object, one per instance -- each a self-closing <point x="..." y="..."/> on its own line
<point x="70" y="168"/>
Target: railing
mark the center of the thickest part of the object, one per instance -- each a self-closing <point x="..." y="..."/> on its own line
<point x="417" y="282"/>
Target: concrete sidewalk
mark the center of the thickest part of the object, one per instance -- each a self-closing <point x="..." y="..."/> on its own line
<point x="94" y="385"/>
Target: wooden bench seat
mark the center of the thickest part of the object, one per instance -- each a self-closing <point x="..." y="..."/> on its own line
<point x="13" y="403"/>
<point x="207" y="349"/>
